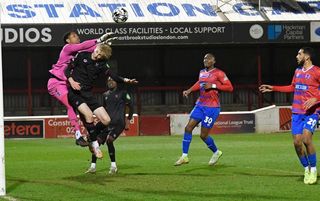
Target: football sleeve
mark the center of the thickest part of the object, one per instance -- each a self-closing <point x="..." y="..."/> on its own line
<point x="286" y="89"/>
<point x="224" y="83"/>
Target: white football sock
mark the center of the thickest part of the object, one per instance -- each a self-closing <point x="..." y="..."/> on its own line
<point x="184" y="155"/>
<point x="93" y="165"/>
<point x="313" y="169"/>
<point x="306" y="168"/>
<point x="95" y="144"/>
<point x="77" y="134"/>
<point x="113" y="164"/>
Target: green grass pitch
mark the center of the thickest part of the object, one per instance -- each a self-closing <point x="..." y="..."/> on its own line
<point x="257" y="167"/>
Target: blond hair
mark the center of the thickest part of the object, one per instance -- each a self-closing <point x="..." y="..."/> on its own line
<point x="106" y="50"/>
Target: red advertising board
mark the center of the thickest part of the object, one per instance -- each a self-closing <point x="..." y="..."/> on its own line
<point x="285" y="118"/>
<point x="155" y="125"/>
<point x="133" y="127"/>
<point x="60" y="127"/>
<point x="23" y="129"/>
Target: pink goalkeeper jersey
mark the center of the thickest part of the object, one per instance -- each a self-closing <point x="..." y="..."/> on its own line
<point x="66" y="55"/>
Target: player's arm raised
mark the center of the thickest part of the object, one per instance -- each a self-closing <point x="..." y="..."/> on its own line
<point x="88" y="45"/>
<point x="194" y="87"/>
<point x="269" y="88"/>
<point x="118" y="78"/>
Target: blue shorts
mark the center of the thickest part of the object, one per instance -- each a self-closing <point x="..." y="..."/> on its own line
<point x="207" y="115"/>
<point x="303" y="121"/>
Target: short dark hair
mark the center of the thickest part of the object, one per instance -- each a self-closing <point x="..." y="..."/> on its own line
<point x="66" y="36"/>
<point x="309" y="51"/>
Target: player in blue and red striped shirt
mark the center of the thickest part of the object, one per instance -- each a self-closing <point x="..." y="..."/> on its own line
<point x="207" y="109"/>
<point x="305" y="85"/>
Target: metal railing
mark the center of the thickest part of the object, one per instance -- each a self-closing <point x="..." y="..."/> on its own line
<point x="160" y="99"/>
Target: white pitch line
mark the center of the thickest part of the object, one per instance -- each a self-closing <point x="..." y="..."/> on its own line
<point x="9" y="198"/>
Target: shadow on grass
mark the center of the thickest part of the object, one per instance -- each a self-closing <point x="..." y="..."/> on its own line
<point x="209" y="168"/>
<point x="16" y="183"/>
<point x="300" y="177"/>
<point x="129" y="167"/>
<point x="97" y="179"/>
<point x="90" y="192"/>
<point x="207" y="195"/>
<point x="81" y="178"/>
<point x="181" y="171"/>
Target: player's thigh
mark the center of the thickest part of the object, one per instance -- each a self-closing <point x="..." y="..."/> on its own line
<point x="86" y="112"/>
<point x="102" y="115"/>
<point x="57" y="89"/>
<point x="297" y="124"/>
<point x="196" y="115"/>
<point x="116" y="131"/>
<point x="310" y="122"/>
<point x="210" y="116"/>
<point x="297" y="140"/>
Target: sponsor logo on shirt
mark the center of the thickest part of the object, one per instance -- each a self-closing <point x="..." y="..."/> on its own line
<point x="204" y="75"/>
<point x="301" y="87"/>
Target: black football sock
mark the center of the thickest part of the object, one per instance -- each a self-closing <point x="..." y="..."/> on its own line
<point x="91" y="128"/>
<point x="112" y="151"/>
<point x="93" y="159"/>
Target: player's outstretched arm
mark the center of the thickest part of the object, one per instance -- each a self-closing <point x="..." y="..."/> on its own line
<point x="130" y="81"/>
<point x="195" y="87"/>
<point x="265" y="88"/>
<point x="118" y="78"/>
<point x="88" y="45"/>
<point x="268" y="88"/>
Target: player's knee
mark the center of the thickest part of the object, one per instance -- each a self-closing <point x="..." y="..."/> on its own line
<point x="188" y="129"/>
<point x="105" y="120"/>
<point x="203" y="136"/>
<point x="88" y="117"/>
<point x="307" y="141"/>
<point x="110" y="140"/>
<point x="297" y="143"/>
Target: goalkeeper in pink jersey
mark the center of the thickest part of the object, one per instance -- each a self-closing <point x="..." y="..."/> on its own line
<point x="207" y="109"/>
<point x="305" y="110"/>
<point x="57" y="84"/>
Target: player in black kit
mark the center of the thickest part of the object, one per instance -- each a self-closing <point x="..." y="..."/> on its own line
<point x="115" y="101"/>
<point x="84" y="70"/>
